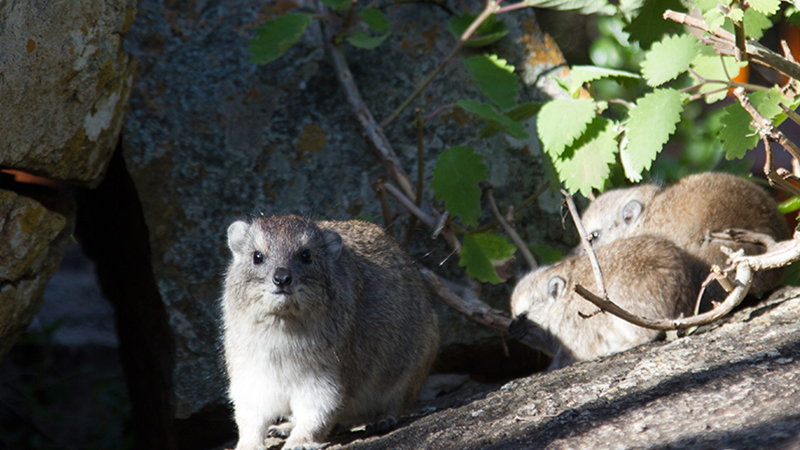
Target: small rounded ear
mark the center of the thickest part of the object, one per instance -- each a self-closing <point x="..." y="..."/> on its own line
<point x="555" y="287"/>
<point x="333" y="243"/>
<point x="237" y="236"/>
<point x="631" y="211"/>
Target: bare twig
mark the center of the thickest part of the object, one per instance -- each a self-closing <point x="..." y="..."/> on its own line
<point x="420" y="214"/>
<point x="511" y="232"/>
<point x="387" y="216"/>
<point x="474" y="310"/>
<point x="724" y="43"/>
<point x="789" y="113"/>
<point x="587" y="245"/>
<point x="778" y="255"/>
<point x="744" y="276"/>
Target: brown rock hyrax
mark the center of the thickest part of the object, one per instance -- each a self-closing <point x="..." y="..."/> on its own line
<point x="687" y="213"/>
<point x="325" y="323"/>
<point x="648" y="276"/>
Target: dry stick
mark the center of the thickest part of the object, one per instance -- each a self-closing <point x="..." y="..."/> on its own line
<point x="420" y="214"/>
<point x="387" y="216"/>
<point x="587" y="246"/>
<point x="511" y="232"/>
<point x="724" y="43"/>
<point x="789" y="113"/>
<point x="474" y="310"/>
<point x="515" y="210"/>
<point x="744" y="276"/>
<point x="412" y="224"/>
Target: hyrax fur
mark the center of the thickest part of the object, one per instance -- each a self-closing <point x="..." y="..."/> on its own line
<point x="324" y="323"/>
<point x="646" y="275"/>
<point x="687" y="213"/>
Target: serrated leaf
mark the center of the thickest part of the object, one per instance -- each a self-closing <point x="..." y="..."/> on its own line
<point x="737" y="135"/>
<point x="562" y="121"/>
<point x="487" y="33"/>
<point x="277" y="36"/>
<point x="338" y="5"/>
<point x="767" y="103"/>
<point x="496" y="79"/>
<point x="714" y="18"/>
<point x="496" y="122"/>
<point x="375" y="19"/>
<point x="650" y="123"/>
<point x="708" y="65"/>
<point x="768" y="7"/>
<point x="649" y="25"/>
<point x="755" y="23"/>
<point x="736" y="14"/>
<point x="585" y="166"/>
<point x="668" y="58"/>
<point x="481" y="253"/>
<point x="455" y="181"/>
<point x="601" y="7"/>
<point x="524" y="111"/>
<point x="792" y="15"/>
<point x="362" y="39"/>
<point x="586" y="74"/>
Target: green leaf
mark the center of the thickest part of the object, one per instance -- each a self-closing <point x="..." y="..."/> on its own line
<point x="708" y="65"/>
<point x="338" y="5"/>
<point x="585" y="166"/>
<point x="648" y="24"/>
<point x="375" y="19"/>
<point x="362" y="39"/>
<point x="714" y="18"/>
<point x="766" y="102"/>
<point x="487" y="33"/>
<point x="562" y="121"/>
<point x="792" y="15"/>
<point x="455" y="181"/>
<point x="546" y="255"/>
<point x="789" y="205"/>
<point x="496" y="79"/>
<point x="586" y="74"/>
<point x="481" y="253"/>
<point x="650" y="123"/>
<point x="755" y="23"/>
<point x="768" y="7"/>
<point x="524" y="111"/>
<point x="737" y="135"/>
<point x="736" y="15"/>
<point x="668" y="58"/>
<point x="601" y="7"/>
<point x="276" y="36"/>
<point x="496" y="122"/>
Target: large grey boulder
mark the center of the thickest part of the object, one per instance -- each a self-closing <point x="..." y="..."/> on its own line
<point x="211" y="138"/>
<point x="65" y="82"/>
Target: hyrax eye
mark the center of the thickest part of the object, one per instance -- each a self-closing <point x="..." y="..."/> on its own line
<point x="305" y="256"/>
<point x="258" y="257"/>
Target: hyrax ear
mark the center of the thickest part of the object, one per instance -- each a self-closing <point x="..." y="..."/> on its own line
<point x="555" y="287"/>
<point x="333" y="243"/>
<point x="237" y="236"/>
<point x="631" y="211"/>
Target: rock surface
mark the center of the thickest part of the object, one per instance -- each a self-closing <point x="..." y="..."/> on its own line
<point x="31" y="240"/>
<point x="733" y="386"/>
<point x="212" y="137"/>
<point x="65" y="82"/>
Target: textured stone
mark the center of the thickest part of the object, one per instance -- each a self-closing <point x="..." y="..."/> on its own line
<point x="734" y="386"/>
<point x="212" y="137"/>
<point x="31" y="240"/>
<point x="65" y="82"/>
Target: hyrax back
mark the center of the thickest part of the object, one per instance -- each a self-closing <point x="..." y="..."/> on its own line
<point x="687" y="213"/>
<point x="324" y="323"/>
<point x="646" y="275"/>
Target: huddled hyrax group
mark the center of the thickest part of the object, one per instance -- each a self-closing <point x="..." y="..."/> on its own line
<point x="655" y="246"/>
<point x="325" y="323"/>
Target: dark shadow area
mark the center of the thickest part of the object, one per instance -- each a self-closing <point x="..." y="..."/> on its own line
<point x="112" y="231"/>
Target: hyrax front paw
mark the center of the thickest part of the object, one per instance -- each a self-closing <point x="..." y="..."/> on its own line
<point x="281" y="430"/>
<point x="298" y="444"/>
<point x="381" y="425"/>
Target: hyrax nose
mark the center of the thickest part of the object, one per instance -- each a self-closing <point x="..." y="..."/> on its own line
<point x="282" y="277"/>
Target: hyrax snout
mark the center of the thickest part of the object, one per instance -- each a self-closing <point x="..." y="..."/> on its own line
<point x="687" y="213"/>
<point x="325" y="323"/>
<point x="646" y="275"/>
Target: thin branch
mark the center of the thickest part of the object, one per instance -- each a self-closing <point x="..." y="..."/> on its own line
<point x="744" y="277"/>
<point x="789" y="113"/>
<point x="587" y="245"/>
<point x="408" y="204"/>
<point x="474" y="310"/>
<point x="778" y="255"/>
<point x="511" y="232"/>
<point x="371" y="129"/>
<point x="518" y="208"/>
<point x="387" y="217"/>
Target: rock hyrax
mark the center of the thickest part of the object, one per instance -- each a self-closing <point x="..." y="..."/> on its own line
<point x="325" y="323"/>
<point x="646" y="275"/>
<point x="687" y="213"/>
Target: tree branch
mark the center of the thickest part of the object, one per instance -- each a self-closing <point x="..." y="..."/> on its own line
<point x="511" y="232"/>
<point x="587" y="245"/>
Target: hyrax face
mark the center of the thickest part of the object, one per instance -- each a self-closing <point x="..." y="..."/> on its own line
<point x="280" y="264"/>
<point x="541" y="295"/>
